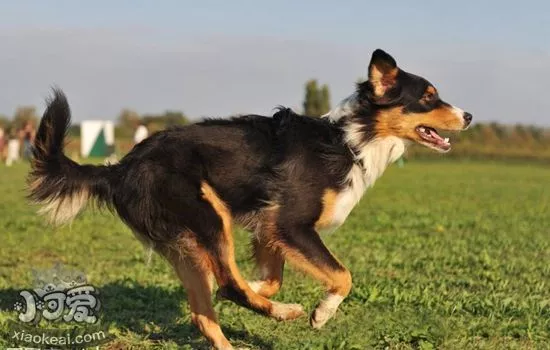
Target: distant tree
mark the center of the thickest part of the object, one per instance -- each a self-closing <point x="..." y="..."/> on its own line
<point x="172" y="118"/>
<point x="4" y="122"/>
<point x="521" y="130"/>
<point x="324" y="100"/>
<point x="24" y="114"/>
<point x="74" y="130"/>
<point x="128" y="118"/>
<point x="498" y="129"/>
<point x="536" y="132"/>
<point x="316" y="100"/>
<point x="475" y="132"/>
<point x="520" y="135"/>
<point x="311" y="100"/>
<point x="156" y="122"/>
<point x="490" y="133"/>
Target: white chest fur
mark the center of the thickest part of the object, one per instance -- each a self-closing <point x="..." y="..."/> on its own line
<point x="375" y="158"/>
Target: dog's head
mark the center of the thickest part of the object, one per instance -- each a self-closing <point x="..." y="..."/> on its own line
<point x="407" y="106"/>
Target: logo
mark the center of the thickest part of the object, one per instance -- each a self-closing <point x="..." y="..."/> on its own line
<point x="58" y="294"/>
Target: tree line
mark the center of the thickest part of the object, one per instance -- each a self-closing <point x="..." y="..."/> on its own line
<point x="482" y="140"/>
<point x="127" y="121"/>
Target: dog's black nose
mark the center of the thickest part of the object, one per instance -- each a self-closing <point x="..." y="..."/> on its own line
<point x="467" y="118"/>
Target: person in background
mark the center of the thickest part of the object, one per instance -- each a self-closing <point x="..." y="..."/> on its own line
<point x="27" y="134"/>
<point x="141" y="133"/>
<point x="2" y="143"/>
<point x="12" y="155"/>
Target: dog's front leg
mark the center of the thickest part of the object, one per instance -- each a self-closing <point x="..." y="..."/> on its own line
<point x="303" y="247"/>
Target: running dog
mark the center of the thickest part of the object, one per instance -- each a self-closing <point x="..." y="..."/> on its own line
<point x="285" y="178"/>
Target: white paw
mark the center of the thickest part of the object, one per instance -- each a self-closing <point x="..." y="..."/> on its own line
<point x="325" y="310"/>
<point x="320" y="316"/>
<point x="284" y="312"/>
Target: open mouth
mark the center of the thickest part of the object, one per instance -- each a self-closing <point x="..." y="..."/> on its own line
<point x="432" y="139"/>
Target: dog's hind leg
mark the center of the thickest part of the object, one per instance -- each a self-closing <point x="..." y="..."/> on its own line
<point x="270" y="263"/>
<point x="231" y="284"/>
<point x="193" y="269"/>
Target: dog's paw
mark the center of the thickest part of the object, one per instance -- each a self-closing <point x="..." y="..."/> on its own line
<point x="320" y="316"/>
<point x="325" y="310"/>
<point x="285" y="312"/>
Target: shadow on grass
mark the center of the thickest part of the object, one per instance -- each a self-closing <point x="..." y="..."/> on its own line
<point x="156" y="313"/>
<point x="150" y="312"/>
<point x="8" y="297"/>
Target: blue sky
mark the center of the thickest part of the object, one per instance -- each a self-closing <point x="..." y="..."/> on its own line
<point x="224" y="57"/>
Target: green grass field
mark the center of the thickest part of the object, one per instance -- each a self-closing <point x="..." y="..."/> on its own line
<point x="449" y="255"/>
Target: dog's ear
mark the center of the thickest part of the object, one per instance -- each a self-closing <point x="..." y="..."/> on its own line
<point x="382" y="73"/>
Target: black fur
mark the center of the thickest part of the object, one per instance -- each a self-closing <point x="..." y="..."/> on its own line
<point x="59" y="176"/>
<point x="281" y="166"/>
<point x="251" y="161"/>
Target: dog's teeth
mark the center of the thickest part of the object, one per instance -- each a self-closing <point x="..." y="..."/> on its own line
<point x="446" y="140"/>
<point x="421" y="129"/>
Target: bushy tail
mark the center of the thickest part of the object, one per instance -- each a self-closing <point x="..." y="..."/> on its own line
<point x="59" y="184"/>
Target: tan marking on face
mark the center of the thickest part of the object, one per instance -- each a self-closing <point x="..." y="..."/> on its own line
<point x="428" y="95"/>
<point x="431" y="90"/>
<point x="393" y="122"/>
<point x="327" y="214"/>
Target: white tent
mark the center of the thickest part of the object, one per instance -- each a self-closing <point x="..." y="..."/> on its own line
<point x="97" y="138"/>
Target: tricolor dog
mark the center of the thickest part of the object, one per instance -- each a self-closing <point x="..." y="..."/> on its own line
<point x="285" y="178"/>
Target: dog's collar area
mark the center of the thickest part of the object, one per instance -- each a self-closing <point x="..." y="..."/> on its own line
<point x="356" y="159"/>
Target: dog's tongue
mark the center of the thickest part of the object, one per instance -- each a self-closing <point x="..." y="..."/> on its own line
<point x="435" y="135"/>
